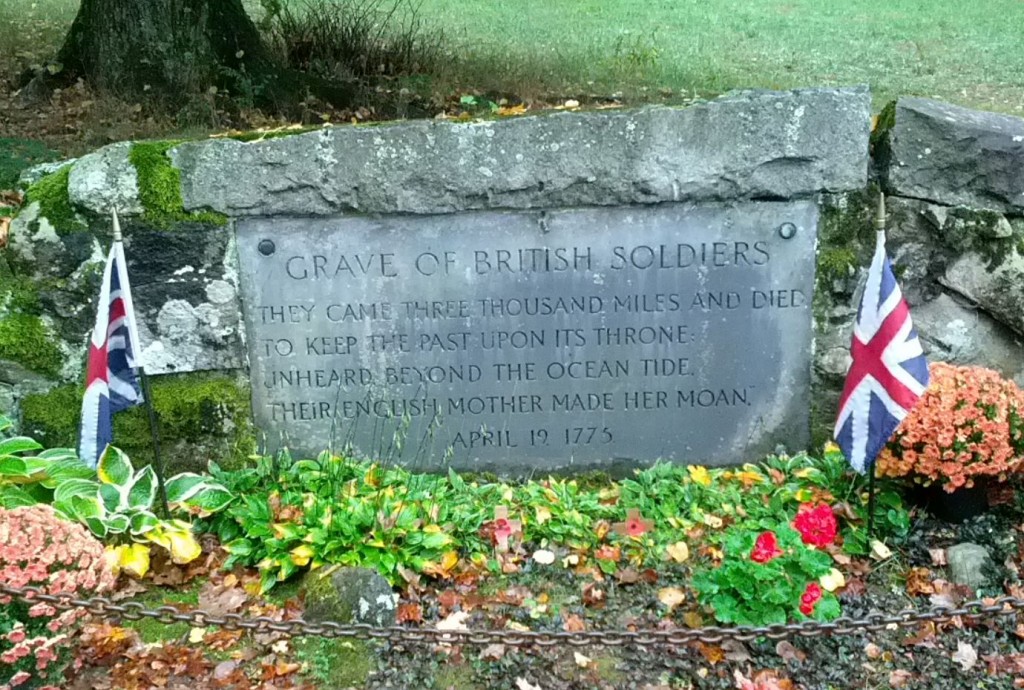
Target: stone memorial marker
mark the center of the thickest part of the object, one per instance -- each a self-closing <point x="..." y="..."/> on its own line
<point x="535" y="339"/>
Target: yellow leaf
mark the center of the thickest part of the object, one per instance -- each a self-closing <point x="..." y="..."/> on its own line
<point x="449" y="560"/>
<point x="196" y="635"/>
<point x="880" y="551"/>
<point x="671" y="597"/>
<point x="805" y="473"/>
<point x="135" y="560"/>
<point x="699" y="474"/>
<point x="112" y="556"/>
<point x="301" y="555"/>
<point x="678" y="552"/>
<point x="712" y="521"/>
<point x="831" y="447"/>
<point x="582" y="661"/>
<point x="832" y="580"/>
<point x="543" y="515"/>
<point x="432" y="529"/>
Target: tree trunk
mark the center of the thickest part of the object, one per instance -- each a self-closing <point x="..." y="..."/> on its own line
<point x="172" y="48"/>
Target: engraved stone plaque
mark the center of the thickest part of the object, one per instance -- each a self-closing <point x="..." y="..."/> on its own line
<point x="530" y="340"/>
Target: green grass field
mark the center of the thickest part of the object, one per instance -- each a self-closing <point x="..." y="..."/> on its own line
<point x="966" y="51"/>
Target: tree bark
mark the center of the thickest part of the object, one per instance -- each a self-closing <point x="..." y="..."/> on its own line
<point x="173" y="48"/>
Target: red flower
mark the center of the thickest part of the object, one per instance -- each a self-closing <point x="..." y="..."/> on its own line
<point x="810" y="598"/>
<point x="817" y="526"/>
<point x="634" y="525"/>
<point x="765" y="548"/>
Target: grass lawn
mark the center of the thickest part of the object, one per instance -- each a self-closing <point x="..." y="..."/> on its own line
<point x="966" y="51"/>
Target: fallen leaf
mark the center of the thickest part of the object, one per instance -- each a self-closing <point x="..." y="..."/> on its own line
<point x="788" y="652"/>
<point x="280" y="647"/>
<point x="572" y="103"/>
<point x="832" y="580"/>
<point x="593" y="595"/>
<point x="493" y="652"/>
<point x="608" y="553"/>
<point x="693" y="619"/>
<point x="678" y="552"/>
<point x="543" y="514"/>
<point x="919" y="582"/>
<point x="924" y="636"/>
<point x="5" y="231"/>
<point x="544" y="557"/>
<point x="224" y="669"/>
<point x="880" y="551"/>
<point x="671" y="597"/>
<point x="712" y="653"/>
<point x="219" y="600"/>
<point x="965" y="655"/>
<point x="938" y="556"/>
<point x="573" y="623"/>
<point x="899" y="678"/>
<point x="409" y="612"/>
<point x="582" y="661"/>
<point x="454" y="621"/>
<point x="196" y="635"/>
<point x="522" y="684"/>
<point x="872" y="650"/>
<point x="735" y="651"/>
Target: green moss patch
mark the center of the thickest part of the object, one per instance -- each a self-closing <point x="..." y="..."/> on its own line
<point x="26" y="340"/>
<point x="51" y="193"/>
<point x="160" y="187"/>
<point x="202" y="417"/>
<point x="335" y="663"/>
<point x="18" y="154"/>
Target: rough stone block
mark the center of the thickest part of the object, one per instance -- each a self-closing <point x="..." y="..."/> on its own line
<point x="747" y="145"/>
<point x="953" y="155"/>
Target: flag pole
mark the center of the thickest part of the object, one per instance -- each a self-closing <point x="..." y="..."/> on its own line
<point x="147" y="399"/>
<point x="880" y="231"/>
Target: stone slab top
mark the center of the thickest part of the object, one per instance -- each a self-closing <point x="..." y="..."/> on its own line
<point x="953" y="155"/>
<point x="744" y="145"/>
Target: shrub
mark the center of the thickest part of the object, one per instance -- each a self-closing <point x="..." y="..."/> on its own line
<point x="339" y="39"/>
<point x="39" y="549"/>
<point x="968" y="424"/>
<point x="767" y="578"/>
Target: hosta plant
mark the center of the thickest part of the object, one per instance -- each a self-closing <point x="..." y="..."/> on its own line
<point x="968" y="424"/>
<point x="119" y="507"/>
<point x="768" y="578"/>
<point x="39" y="549"/>
<point x="29" y="474"/>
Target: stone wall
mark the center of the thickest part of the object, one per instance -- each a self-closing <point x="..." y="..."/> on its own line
<point x="955" y="180"/>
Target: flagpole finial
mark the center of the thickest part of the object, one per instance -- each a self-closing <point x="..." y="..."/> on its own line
<point x="880" y="213"/>
<point x="117" y="226"/>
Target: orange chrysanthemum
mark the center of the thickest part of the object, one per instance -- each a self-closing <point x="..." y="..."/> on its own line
<point x="969" y="423"/>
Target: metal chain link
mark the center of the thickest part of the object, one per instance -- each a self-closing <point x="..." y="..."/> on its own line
<point x="133" y="610"/>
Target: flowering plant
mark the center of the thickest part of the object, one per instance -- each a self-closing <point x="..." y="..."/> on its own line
<point x="39" y="549"/>
<point x="817" y="525"/>
<point x="969" y="423"/>
<point x="768" y="578"/>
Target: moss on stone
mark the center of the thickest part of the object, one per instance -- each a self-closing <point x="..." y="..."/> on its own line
<point x="202" y="417"/>
<point x="160" y="187"/>
<point x="983" y="232"/>
<point x="25" y="340"/>
<point x="335" y="663"/>
<point x="18" y="154"/>
<point x="51" y="193"/>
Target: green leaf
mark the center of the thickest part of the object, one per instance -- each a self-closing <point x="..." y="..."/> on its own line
<point x="86" y="507"/>
<point x="18" y="444"/>
<point x="14" y="497"/>
<point x="142" y="491"/>
<point x="117" y="524"/>
<point x="11" y="466"/>
<point x="75" y="487"/>
<point x="113" y="498"/>
<point x="213" y="498"/>
<point x="142" y="522"/>
<point x="182" y="487"/>
<point x="114" y="467"/>
<point x="239" y="547"/>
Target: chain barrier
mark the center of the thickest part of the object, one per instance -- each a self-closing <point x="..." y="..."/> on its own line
<point x="130" y="610"/>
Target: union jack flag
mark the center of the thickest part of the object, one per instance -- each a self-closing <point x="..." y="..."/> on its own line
<point x="110" y="383"/>
<point x="889" y="372"/>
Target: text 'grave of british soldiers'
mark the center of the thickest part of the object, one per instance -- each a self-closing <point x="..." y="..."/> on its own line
<point x="535" y="338"/>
